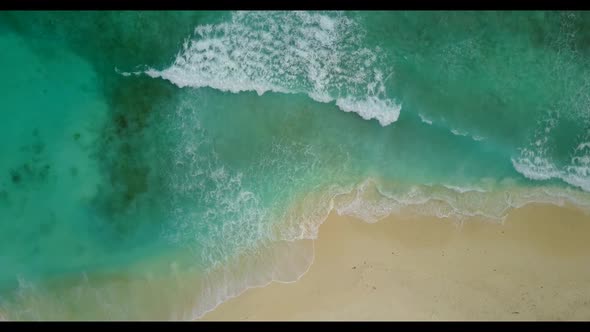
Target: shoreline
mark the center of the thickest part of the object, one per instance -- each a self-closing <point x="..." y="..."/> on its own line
<point x="531" y="267"/>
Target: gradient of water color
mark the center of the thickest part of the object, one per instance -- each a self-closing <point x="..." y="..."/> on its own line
<point x="155" y="164"/>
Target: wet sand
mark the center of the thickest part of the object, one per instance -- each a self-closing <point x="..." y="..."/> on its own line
<point x="535" y="266"/>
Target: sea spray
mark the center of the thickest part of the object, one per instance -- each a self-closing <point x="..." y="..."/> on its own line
<point x="319" y="54"/>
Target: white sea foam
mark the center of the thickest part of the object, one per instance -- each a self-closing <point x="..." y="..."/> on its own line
<point x="318" y="54"/>
<point x="464" y="189"/>
<point x="458" y="132"/>
<point x="371" y="108"/>
<point x="534" y="161"/>
<point x="126" y="74"/>
<point x="372" y="202"/>
<point x="535" y="167"/>
<point x="424" y="119"/>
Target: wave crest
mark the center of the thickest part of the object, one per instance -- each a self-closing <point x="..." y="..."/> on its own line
<point x="317" y="54"/>
<point x="534" y="161"/>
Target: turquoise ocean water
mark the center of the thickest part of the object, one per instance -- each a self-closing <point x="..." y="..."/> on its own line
<point x="155" y="164"/>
